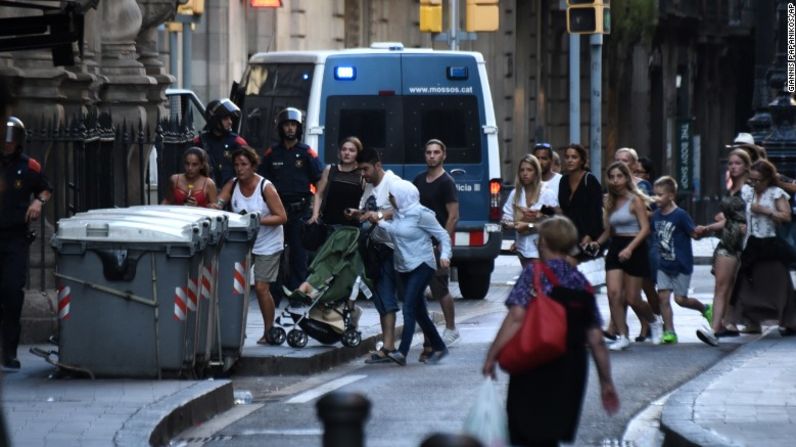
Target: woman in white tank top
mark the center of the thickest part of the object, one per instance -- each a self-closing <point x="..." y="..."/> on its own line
<point x="249" y="192"/>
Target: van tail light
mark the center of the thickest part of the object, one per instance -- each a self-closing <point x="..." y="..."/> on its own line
<point x="494" y="200"/>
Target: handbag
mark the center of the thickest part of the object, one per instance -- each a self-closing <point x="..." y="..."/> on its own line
<point x="543" y="334"/>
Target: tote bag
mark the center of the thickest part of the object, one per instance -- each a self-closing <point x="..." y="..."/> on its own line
<point x="543" y="334"/>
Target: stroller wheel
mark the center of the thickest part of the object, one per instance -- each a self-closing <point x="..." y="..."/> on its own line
<point x="297" y="338"/>
<point x="276" y="336"/>
<point x="352" y="338"/>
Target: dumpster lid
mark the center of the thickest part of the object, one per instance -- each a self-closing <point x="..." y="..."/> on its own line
<point x="218" y="219"/>
<point x="212" y="231"/>
<point x="109" y="228"/>
<point x="235" y="220"/>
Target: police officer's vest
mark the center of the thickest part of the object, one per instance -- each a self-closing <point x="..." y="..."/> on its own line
<point x="289" y="169"/>
<point x="17" y="182"/>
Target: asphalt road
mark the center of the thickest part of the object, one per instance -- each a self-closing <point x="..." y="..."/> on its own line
<point x="409" y="403"/>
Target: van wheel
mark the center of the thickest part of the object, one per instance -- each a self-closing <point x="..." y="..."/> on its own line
<point x="474" y="279"/>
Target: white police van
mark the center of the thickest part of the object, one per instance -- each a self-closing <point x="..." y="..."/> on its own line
<point x="394" y="99"/>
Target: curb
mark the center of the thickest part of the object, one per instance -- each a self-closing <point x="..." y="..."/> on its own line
<point x="279" y="365"/>
<point x="677" y="422"/>
<point x="173" y="414"/>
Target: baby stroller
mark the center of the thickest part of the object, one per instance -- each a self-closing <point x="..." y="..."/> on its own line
<point x="323" y="307"/>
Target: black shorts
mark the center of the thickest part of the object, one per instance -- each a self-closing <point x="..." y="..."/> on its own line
<point x="638" y="264"/>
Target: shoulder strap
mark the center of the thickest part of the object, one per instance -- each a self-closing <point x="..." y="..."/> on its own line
<point x="262" y="187"/>
<point x="540" y="268"/>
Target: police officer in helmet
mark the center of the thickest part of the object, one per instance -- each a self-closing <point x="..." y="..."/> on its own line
<point x="219" y="140"/>
<point x="23" y="192"/>
<point x="293" y="166"/>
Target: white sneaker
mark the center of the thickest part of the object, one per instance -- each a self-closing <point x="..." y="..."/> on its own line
<point x="450" y="337"/>
<point x="707" y="336"/>
<point x="621" y="343"/>
<point x="656" y="331"/>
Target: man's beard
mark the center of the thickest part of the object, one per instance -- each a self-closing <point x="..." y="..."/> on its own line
<point x="291" y="136"/>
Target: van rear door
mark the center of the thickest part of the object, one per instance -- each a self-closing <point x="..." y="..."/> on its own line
<point x="443" y="99"/>
<point x="360" y="98"/>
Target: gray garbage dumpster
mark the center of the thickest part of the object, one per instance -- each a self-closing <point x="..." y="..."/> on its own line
<point x="234" y="262"/>
<point x="200" y="287"/>
<point x="122" y="292"/>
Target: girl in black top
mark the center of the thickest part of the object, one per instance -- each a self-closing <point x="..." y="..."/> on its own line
<point x="580" y="196"/>
<point x="340" y="186"/>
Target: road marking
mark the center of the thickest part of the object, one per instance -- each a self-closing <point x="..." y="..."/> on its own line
<point x="287" y="432"/>
<point x="325" y="388"/>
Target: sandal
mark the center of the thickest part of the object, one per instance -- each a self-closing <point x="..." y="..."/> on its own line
<point x="427" y="350"/>
<point x="263" y="340"/>
<point x="380" y="356"/>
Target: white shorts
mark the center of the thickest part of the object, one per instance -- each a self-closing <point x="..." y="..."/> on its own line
<point x="676" y="282"/>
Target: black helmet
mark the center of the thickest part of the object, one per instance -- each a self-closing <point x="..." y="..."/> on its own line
<point x="15" y="132"/>
<point x="289" y="114"/>
<point x="218" y="109"/>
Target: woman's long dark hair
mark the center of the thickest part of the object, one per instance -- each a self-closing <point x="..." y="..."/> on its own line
<point x="201" y="154"/>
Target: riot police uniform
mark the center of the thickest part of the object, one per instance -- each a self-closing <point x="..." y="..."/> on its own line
<point x="220" y="142"/>
<point x="21" y="182"/>
<point x="292" y="171"/>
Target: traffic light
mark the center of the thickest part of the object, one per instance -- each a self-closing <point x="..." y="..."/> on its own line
<point x="431" y="16"/>
<point x="266" y="4"/>
<point x="482" y="15"/>
<point x="589" y="16"/>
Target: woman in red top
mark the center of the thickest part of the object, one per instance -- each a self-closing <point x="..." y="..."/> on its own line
<point x="194" y="187"/>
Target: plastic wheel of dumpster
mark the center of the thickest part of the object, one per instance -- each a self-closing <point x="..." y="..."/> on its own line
<point x="276" y="336"/>
<point x="352" y="338"/>
<point x="297" y="338"/>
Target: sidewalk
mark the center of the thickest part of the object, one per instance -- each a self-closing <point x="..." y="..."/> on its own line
<point x="747" y="399"/>
<point x="42" y="410"/>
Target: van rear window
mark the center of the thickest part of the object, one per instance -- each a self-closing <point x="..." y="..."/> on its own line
<point x="376" y="120"/>
<point x="452" y="119"/>
<point x="399" y="126"/>
<point x="270" y="88"/>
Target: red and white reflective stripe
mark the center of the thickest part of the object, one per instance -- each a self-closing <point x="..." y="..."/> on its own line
<point x="207" y="282"/>
<point x="192" y="292"/>
<point x="470" y="238"/>
<point x="179" y="304"/>
<point x="64" y="300"/>
<point x="239" y="280"/>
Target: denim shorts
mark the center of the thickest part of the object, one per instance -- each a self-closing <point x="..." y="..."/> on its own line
<point x="385" y="299"/>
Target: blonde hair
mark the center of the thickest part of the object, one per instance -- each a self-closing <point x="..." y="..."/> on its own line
<point x="559" y="234"/>
<point x="632" y="152"/>
<point x="536" y="185"/>
<point x="610" y="198"/>
<point x="668" y="183"/>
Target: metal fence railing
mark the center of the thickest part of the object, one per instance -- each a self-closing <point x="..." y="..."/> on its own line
<point x="93" y="162"/>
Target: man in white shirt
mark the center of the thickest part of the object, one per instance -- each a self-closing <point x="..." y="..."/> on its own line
<point x="373" y="207"/>
<point x="550" y="180"/>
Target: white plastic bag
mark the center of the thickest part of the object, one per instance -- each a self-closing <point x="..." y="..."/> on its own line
<point x="487" y="417"/>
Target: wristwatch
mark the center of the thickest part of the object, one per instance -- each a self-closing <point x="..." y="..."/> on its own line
<point x="380" y="215"/>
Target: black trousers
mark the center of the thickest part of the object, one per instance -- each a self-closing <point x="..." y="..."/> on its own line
<point x="13" y="269"/>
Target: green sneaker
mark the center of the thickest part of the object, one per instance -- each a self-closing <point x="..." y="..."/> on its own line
<point x="669" y="338"/>
<point x="708" y="313"/>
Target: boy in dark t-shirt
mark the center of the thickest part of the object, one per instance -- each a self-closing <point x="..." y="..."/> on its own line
<point x="438" y="193"/>
<point x="674" y="229"/>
